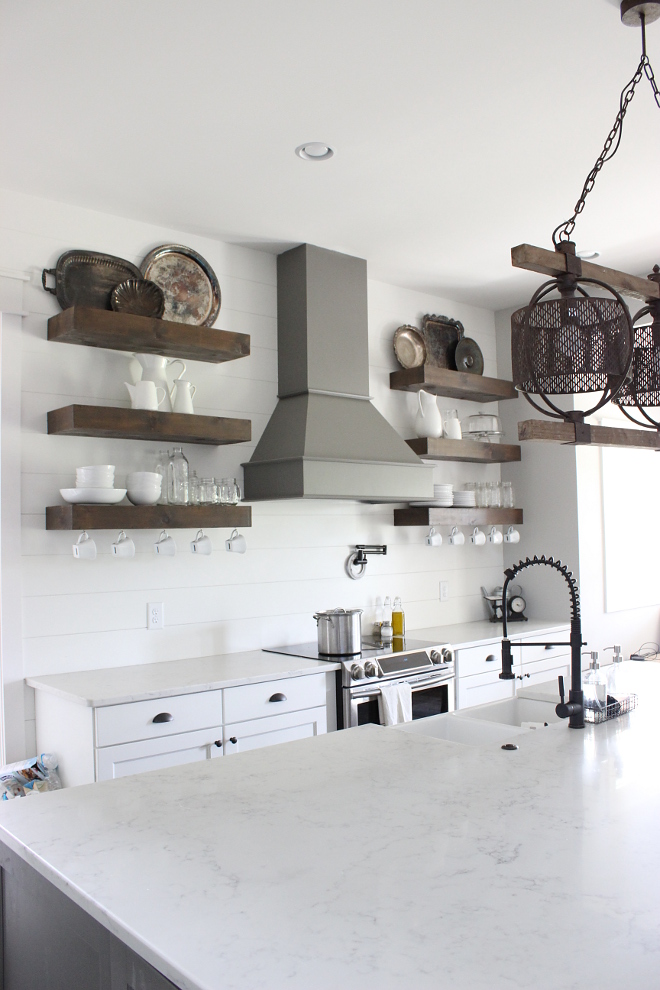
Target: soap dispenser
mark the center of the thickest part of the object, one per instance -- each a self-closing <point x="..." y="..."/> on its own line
<point x="615" y="680"/>
<point x="594" y="686"/>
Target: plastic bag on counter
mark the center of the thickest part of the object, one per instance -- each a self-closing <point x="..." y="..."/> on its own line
<point x="29" y="777"/>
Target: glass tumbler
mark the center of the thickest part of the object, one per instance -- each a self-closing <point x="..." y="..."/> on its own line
<point x="483" y="495"/>
<point x="507" y="495"/>
<point x="494" y="495"/>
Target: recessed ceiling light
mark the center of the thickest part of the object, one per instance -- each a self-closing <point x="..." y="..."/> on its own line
<point x="314" y="151"/>
<point x="588" y="255"/>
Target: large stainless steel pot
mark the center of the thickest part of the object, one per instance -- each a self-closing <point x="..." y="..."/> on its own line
<point x="339" y="632"/>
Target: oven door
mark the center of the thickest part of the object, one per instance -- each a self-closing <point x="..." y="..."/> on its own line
<point x="431" y="695"/>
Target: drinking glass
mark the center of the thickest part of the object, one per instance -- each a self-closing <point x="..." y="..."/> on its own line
<point x="494" y="495"/>
<point x="207" y="491"/>
<point x="507" y="495"/>
<point x="230" y="491"/>
<point x="483" y="493"/>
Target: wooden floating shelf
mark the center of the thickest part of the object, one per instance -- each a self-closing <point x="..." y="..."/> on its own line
<point x="79" y="517"/>
<point x="144" y="335"/>
<point x="141" y="424"/>
<point x="442" y="449"/>
<point x="558" y="431"/>
<point x="419" y="515"/>
<point x="454" y="384"/>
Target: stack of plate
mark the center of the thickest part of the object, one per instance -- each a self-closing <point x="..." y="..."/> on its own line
<point x="443" y="494"/>
<point x="465" y="499"/>
<point x="94" y="485"/>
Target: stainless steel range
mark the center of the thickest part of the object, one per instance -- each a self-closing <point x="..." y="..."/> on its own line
<point x="427" y="667"/>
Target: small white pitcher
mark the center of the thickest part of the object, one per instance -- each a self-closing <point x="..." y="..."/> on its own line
<point x="144" y="395"/>
<point x="428" y="422"/>
<point x="181" y="396"/>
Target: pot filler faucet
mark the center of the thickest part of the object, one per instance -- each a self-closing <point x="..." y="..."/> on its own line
<point x="573" y="710"/>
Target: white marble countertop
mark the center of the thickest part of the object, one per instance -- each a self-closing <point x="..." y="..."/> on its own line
<point x="140" y="682"/>
<point x="376" y="860"/>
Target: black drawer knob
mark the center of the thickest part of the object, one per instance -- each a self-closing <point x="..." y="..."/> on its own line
<point x="218" y="743"/>
<point x="233" y="740"/>
<point x="163" y="717"/>
<point x="490" y="658"/>
<point x="277" y="697"/>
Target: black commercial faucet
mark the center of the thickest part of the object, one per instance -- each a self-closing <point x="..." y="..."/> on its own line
<point x="573" y="709"/>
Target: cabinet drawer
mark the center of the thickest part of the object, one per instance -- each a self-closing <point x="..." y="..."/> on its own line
<point x="125" y="723"/>
<point x="529" y="654"/>
<point x="479" y="659"/>
<point x="242" y="736"/>
<point x="290" y="694"/>
<point x="158" y="754"/>
<point x="481" y="688"/>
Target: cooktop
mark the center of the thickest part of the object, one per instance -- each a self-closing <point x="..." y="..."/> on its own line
<point x="370" y="648"/>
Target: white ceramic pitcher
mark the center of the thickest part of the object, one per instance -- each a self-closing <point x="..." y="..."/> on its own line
<point x="145" y="395"/>
<point x="428" y="422"/>
<point x="154" y="368"/>
<point x="181" y="396"/>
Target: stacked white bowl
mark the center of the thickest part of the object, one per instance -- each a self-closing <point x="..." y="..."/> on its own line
<point x="96" y="476"/>
<point x="443" y="495"/>
<point x="143" y="487"/>
<point x="466" y="498"/>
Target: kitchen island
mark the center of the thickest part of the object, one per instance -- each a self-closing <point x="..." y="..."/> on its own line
<point x="365" y="859"/>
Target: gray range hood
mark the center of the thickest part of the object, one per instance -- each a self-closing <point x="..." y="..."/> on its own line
<point x="325" y="439"/>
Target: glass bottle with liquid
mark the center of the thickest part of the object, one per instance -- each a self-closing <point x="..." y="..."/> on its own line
<point x="594" y="686"/>
<point x="386" y="631"/>
<point x="398" y="619"/>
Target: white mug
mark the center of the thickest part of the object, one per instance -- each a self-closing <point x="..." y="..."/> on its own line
<point x="236" y="543"/>
<point x="478" y="537"/>
<point x="144" y="395"/>
<point x="456" y="537"/>
<point x="165" y="545"/>
<point x="182" y="395"/>
<point x="434" y="539"/>
<point x="512" y="535"/>
<point x="495" y="536"/>
<point x="201" y="544"/>
<point x="123" y="546"/>
<point x="84" y="548"/>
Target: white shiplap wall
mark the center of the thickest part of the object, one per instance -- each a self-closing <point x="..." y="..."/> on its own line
<point x="79" y="614"/>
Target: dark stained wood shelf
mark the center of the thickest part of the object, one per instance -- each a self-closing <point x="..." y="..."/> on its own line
<point x="141" y="424"/>
<point x="558" y="431"/>
<point x="419" y="515"/>
<point x="124" y="332"/>
<point x="442" y="449"/>
<point x="454" y="384"/>
<point x="79" y="517"/>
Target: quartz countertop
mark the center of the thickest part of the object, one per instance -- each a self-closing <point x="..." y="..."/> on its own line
<point x="140" y="682"/>
<point x="376" y="860"/>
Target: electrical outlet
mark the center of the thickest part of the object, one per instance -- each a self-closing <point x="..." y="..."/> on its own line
<point x="155" y="615"/>
<point x="444" y="591"/>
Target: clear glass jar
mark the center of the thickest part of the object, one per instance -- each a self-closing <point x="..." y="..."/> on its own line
<point x="494" y="495"/>
<point x="483" y="495"/>
<point x="507" y="495"/>
<point x="178" y="478"/>
<point x="229" y="491"/>
<point x="193" y="489"/>
<point x="161" y="468"/>
<point x="207" y="491"/>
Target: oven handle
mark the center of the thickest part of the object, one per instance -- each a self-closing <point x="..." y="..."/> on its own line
<point x="374" y="687"/>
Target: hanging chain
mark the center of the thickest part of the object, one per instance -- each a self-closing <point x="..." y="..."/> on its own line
<point x="564" y="231"/>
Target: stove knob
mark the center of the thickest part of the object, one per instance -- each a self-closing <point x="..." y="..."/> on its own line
<point x="435" y="657"/>
<point x="371" y="668"/>
<point x="357" y="671"/>
<point x="447" y="655"/>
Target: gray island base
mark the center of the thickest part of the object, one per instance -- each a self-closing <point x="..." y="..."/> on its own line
<point x="371" y="859"/>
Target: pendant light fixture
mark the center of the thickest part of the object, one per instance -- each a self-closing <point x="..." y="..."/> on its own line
<point x="642" y="387"/>
<point x="581" y="343"/>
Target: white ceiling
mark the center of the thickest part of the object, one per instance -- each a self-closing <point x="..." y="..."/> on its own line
<point x="460" y="128"/>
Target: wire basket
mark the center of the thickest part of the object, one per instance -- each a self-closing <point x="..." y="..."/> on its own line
<point x="613" y="710"/>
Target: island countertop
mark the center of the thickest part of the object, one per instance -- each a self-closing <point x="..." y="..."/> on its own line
<point x="373" y="858"/>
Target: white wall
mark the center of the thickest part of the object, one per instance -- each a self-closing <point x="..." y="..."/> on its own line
<point x="80" y="615"/>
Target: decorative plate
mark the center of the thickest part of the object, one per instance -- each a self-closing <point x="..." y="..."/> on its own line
<point x="189" y="284"/>
<point x="86" y="278"/>
<point x="138" y="296"/>
<point x="409" y="347"/>
<point x="469" y="357"/>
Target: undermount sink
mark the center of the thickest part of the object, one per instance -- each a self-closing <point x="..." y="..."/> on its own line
<point x="469" y="732"/>
<point x="512" y="712"/>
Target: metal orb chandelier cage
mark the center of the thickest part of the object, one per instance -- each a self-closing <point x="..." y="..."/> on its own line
<point x="580" y="342"/>
<point x="641" y="388"/>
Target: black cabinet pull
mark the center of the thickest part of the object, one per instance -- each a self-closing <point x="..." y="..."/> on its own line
<point x="163" y="717"/>
<point x="218" y="743"/>
<point x="549" y="646"/>
<point x="490" y="658"/>
<point x="277" y="697"/>
<point x="233" y="740"/>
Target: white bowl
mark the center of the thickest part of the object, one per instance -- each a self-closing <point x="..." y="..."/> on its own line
<point x="144" y="496"/>
<point x="143" y="479"/>
<point x="93" y="496"/>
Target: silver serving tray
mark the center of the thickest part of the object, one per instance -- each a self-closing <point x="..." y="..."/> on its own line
<point x="189" y="284"/>
<point x="87" y="278"/>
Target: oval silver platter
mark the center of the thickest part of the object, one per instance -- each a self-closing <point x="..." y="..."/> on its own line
<point x="189" y="284"/>
<point x="87" y="278"/>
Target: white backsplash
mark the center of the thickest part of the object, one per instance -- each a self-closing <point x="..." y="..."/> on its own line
<point x="84" y="614"/>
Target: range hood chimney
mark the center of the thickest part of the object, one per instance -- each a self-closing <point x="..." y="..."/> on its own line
<point x="325" y="439"/>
